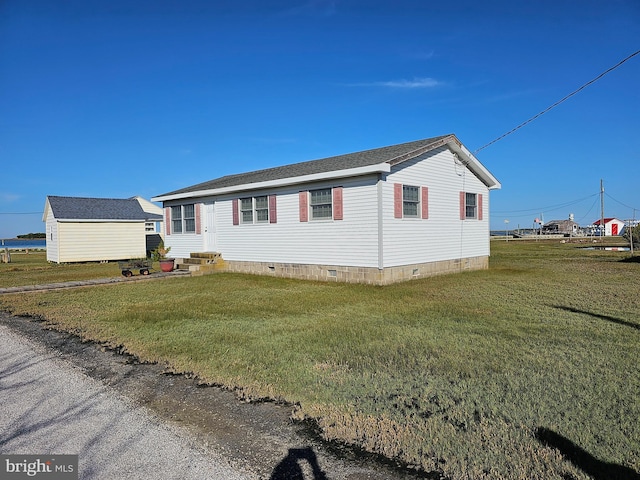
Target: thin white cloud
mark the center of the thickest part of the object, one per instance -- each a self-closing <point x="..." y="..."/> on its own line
<point x="9" y="197"/>
<point x="425" y="82"/>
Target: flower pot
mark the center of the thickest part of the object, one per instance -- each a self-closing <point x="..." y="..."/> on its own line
<point x="166" y="265"/>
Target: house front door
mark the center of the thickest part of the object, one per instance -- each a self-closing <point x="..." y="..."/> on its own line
<point x="209" y="227"/>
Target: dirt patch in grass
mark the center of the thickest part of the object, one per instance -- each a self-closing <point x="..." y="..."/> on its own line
<point x="257" y="437"/>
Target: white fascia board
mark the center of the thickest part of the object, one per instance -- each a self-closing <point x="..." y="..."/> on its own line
<point x="97" y="220"/>
<point x="281" y="182"/>
<point x="475" y="165"/>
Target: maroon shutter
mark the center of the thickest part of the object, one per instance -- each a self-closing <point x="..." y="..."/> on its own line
<point x="273" y="213"/>
<point x="167" y="220"/>
<point x="304" y="206"/>
<point x="234" y="206"/>
<point x="337" y="203"/>
<point x="462" y="206"/>
<point x="425" y="203"/>
<point x="479" y="206"/>
<point x="397" y="200"/>
<point x="198" y="219"/>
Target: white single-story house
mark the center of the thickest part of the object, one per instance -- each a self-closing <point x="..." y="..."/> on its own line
<point x="612" y="226"/>
<point x="83" y="229"/>
<point x="378" y="216"/>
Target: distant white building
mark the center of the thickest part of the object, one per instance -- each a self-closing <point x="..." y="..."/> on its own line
<point x="612" y="226"/>
<point x="83" y="229"/>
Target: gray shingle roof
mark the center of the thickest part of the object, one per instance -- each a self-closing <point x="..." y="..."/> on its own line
<point x="81" y="208"/>
<point x="341" y="162"/>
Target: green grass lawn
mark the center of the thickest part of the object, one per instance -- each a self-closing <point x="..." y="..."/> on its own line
<point x="453" y="374"/>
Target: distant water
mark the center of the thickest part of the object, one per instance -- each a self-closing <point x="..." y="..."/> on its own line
<point x="22" y="243"/>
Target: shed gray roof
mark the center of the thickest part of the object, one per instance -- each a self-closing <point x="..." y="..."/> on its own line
<point x="392" y="154"/>
<point x="82" y="208"/>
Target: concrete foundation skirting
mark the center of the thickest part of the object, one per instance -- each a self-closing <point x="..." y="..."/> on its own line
<point x="369" y="275"/>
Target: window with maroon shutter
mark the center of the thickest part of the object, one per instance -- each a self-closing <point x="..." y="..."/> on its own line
<point x="337" y="203"/>
<point x="235" y="213"/>
<point x="425" y="203"/>
<point x="470" y="206"/>
<point x="273" y="214"/>
<point x="304" y="206"/>
<point x="397" y="200"/>
<point x="198" y="220"/>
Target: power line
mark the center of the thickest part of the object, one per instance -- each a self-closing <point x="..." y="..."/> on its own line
<point x="623" y="204"/>
<point x="558" y="102"/>
<point x="547" y="208"/>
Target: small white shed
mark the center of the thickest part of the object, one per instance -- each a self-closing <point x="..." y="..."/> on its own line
<point x="612" y="226"/>
<point x="81" y="229"/>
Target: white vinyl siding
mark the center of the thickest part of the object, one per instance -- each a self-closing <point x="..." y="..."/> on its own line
<point x="444" y="236"/>
<point x="349" y="242"/>
<point x="52" y="238"/>
<point x="100" y="241"/>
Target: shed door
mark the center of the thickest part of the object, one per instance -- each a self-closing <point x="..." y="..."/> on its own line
<point x="209" y="228"/>
<point x="614" y="229"/>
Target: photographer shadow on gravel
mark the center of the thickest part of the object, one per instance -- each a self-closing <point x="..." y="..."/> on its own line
<point x="290" y="467"/>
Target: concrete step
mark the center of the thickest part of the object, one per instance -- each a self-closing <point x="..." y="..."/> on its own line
<point x="201" y="263"/>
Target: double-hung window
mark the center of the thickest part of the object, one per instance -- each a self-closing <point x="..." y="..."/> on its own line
<point x="410" y="201"/>
<point x="470" y="205"/>
<point x="262" y="209"/>
<point x="176" y="219"/>
<point x="246" y="209"/>
<point x="321" y="204"/>
<point x="183" y="219"/>
<point x="254" y="209"/>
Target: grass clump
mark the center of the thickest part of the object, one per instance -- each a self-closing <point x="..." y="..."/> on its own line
<point x="451" y="374"/>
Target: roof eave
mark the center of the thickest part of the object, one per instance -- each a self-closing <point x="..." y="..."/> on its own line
<point x="100" y="220"/>
<point x="474" y="164"/>
<point x="383" y="167"/>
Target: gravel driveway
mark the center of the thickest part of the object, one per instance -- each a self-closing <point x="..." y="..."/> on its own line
<point x="49" y="406"/>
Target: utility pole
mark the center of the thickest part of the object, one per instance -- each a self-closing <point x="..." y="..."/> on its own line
<point x="602" y="229"/>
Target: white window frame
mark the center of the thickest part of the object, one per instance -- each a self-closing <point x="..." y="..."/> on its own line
<point x="470" y="207"/>
<point x="409" y="203"/>
<point x="254" y="209"/>
<point x="318" y="206"/>
<point x="183" y="219"/>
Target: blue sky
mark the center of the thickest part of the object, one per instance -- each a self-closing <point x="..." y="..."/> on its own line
<point x="119" y="98"/>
